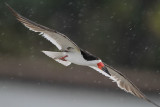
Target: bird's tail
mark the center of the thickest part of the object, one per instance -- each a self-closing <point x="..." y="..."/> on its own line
<point x="56" y="56"/>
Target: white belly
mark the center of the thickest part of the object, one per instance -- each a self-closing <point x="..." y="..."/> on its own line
<point x="78" y="59"/>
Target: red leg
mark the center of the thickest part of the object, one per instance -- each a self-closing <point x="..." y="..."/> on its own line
<point x="63" y="58"/>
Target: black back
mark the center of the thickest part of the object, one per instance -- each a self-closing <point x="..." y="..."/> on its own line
<point x="87" y="56"/>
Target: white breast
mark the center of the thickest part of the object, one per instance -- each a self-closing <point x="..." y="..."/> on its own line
<point x="77" y="58"/>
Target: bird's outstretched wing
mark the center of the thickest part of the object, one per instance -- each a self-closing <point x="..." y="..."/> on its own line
<point x="123" y="82"/>
<point x="61" y="41"/>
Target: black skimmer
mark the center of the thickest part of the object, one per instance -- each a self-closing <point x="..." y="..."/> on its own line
<point x="71" y="53"/>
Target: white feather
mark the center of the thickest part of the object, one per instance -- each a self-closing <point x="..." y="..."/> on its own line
<point x="104" y="73"/>
<point x="56" y="55"/>
<point x="51" y="40"/>
<point x="65" y="63"/>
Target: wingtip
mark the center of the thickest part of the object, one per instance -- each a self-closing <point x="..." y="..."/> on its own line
<point x="6" y="4"/>
<point x="152" y="102"/>
<point x="11" y="9"/>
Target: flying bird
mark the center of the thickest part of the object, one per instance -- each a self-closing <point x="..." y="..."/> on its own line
<point x="69" y="53"/>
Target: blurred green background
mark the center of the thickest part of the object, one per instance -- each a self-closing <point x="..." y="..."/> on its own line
<point x="123" y="33"/>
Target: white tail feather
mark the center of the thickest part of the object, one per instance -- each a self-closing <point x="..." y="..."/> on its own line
<point x="56" y="56"/>
<point x="65" y="63"/>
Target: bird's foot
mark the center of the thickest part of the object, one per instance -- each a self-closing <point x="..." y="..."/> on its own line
<point x="63" y="58"/>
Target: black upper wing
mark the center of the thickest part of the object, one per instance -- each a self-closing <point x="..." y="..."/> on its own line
<point x="88" y="56"/>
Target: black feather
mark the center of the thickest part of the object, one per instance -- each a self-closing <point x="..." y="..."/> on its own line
<point x="87" y="56"/>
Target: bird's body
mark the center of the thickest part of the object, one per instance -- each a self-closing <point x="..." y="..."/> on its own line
<point x="82" y="58"/>
<point x="77" y="58"/>
<point x="71" y="53"/>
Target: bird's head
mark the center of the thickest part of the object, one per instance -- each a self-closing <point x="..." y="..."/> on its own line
<point x="102" y="67"/>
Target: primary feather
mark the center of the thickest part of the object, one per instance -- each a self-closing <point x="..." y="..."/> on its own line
<point x="61" y="41"/>
<point x="123" y="83"/>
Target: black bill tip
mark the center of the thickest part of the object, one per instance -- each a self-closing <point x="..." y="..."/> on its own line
<point x="106" y="70"/>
